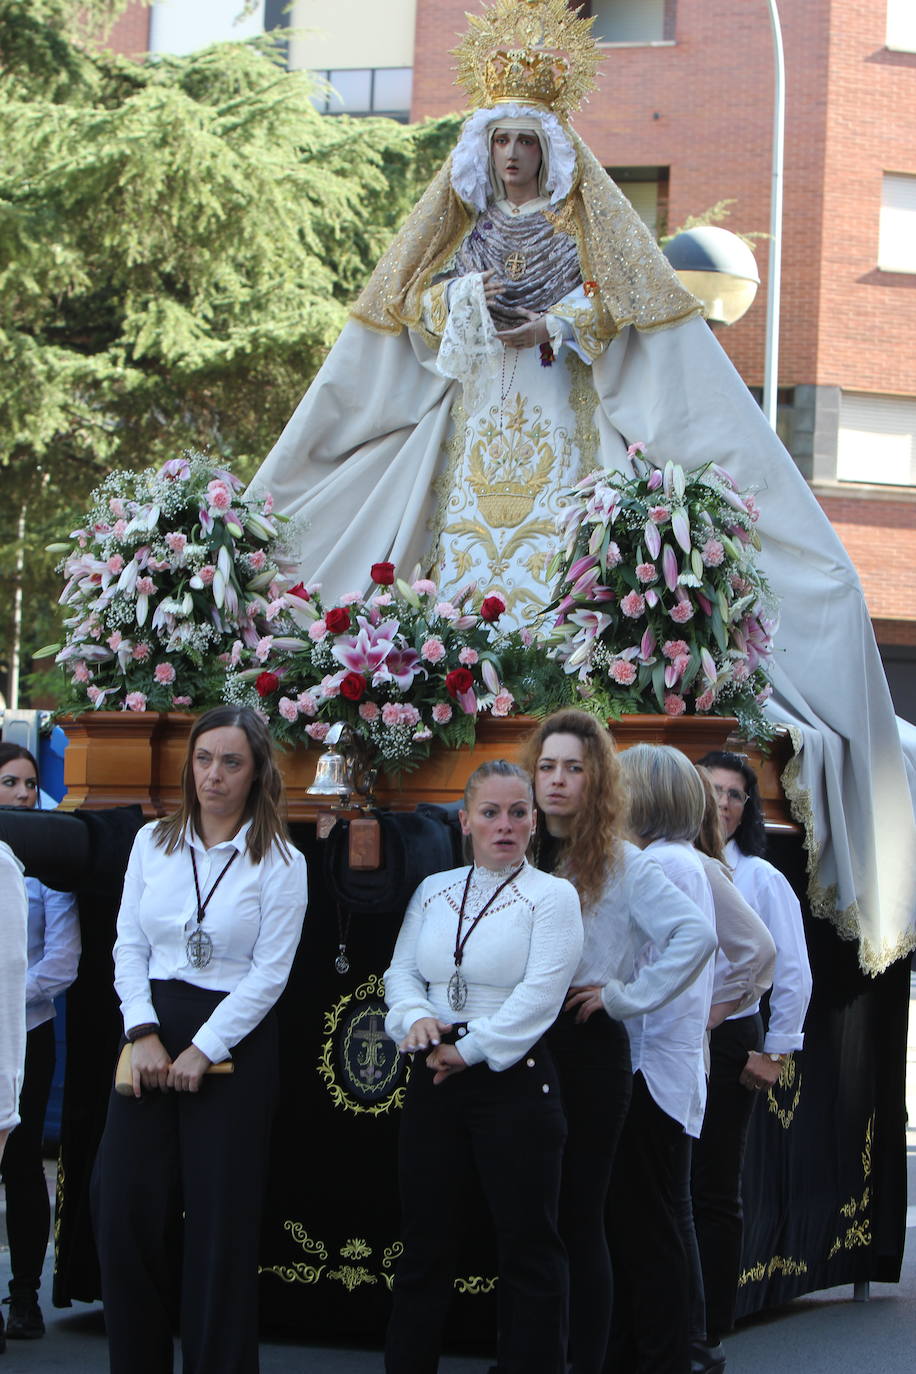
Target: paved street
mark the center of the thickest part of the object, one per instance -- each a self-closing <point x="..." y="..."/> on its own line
<point x="828" y="1333"/>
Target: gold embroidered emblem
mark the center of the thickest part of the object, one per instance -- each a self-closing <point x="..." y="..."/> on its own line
<point x="360" y="1065"/>
<point x="515" y="265"/>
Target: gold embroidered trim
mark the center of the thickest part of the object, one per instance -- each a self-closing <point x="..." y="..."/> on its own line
<point x="353" y="1276"/>
<point x="584" y="323"/>
<point x="858" y="1211"/>
<point x="765" y="1269"/>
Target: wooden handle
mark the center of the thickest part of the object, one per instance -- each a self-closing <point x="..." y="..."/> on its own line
<point x="124" y="1073"/>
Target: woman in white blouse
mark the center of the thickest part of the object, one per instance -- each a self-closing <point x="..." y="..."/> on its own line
<point x="53" y="958"/>
<point x="629" y="907"/>
<point x="649" y="1197"/>
<point x="209" y="923"/>
<point x="481" y="965"/>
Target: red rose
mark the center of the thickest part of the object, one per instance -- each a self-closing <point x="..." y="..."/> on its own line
<point x="337" y="620"/>
<point x="382" y="574"/>
<point x="458" y="680"/>
<point x="300" y="589"/>
<point x="353" y="686"/>
<point x="265" y="683"/>
<point x="492" y="608"/>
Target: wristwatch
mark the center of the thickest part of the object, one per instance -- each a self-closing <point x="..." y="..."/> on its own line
<point x="776" y="1058"/>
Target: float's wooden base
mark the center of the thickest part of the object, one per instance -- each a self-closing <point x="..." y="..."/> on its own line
<point x="116" y="758"/>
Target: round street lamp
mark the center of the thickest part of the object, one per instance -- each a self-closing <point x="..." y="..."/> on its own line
<point x="718" y="268"/>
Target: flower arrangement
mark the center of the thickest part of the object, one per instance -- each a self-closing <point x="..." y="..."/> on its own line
<point x="660" y="605"/>
<point x="170" y="569"/>
<point x="402" y="665"/>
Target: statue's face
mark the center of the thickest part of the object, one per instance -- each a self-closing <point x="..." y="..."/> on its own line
<point x="517" y="162"/>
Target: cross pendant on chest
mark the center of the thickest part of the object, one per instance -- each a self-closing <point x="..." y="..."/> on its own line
<point x="515" y="265"/>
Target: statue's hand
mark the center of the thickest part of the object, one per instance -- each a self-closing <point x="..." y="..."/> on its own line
<point x="491" y="285"/>
<point x="529" y="334"/>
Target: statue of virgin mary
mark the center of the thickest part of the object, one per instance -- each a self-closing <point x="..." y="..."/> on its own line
<point x="523" y="329"/>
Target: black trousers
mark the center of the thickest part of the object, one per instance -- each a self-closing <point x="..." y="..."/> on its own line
<point x="649" y="1329"/>
<point x="28" y="1211"/>
<point x="507" y="1128"/>
<point x="593" y="1063"/>
<point x="186" y="1170"/>
<point x="718" y="1159"/>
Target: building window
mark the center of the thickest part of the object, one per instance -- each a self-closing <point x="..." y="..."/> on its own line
<point x="877" y="440"/>
<point x="901" y="25"/>
<point x="632" y="21"/>
<point x="646" y="188"/>
<point x="897" y="237"/>
<point x="366" y="90"/>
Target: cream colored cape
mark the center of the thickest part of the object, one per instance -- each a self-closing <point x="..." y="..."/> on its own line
<point x="357" y="463"/>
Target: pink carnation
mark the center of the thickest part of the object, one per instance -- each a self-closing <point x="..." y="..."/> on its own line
<point x="317" y="631"/>
<point x="181" y="701"/>
<point x="349" y="599"/>
<point x="369" y="711"/>
<point x="633" y="605"/>
<point x="705" y="701"/>
<point x="442" y="713"/>
<point x="306" y="704"/>
<point x="330" y="687"/>
<point x="164" y="673"/>
<point x="446" y="611"/>
<point x="673" y="648"/>
<point x="176" y="542"/>
<point x="115" y="563"/>
<point x="288" y="709"/>
<point x="423" y="587"/>
<point x="468" y="657"/>
<point x="623" y="672"/>
<point x="613" y="555"/>
<point x="93" y="693"/>
<point x="317" y="730"/>
<point x="134" y="701"/>
<point x="140" y="653"/>
<point x="114" y="640"/>
<point x="433" y="650"/>
<point x="116" y="506"/>
<point x="219" y="495"/>
<point x="81" y="672"/>
<point x="409" y="715"/>
<point x="659" y="514"/>
<point x="674" y="705"/>
<point x="712" y="553"/>
<point x="263" y="647"/>
<point x="145" y="586"/>
<point x="391" y="714"/>
<point x="681" y="613"/>
<point x="207" y="574"/>
<point x="257" y="560"/>
<point x="268" y="506"/>
<point x="117" y="530"/>
<point x="646" y="572"/>
<point x="502" y="703"/>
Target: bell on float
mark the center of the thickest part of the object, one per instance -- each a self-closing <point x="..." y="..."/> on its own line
<point x="332" y="776"/>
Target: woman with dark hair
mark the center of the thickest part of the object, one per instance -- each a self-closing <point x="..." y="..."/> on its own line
<point x="743" y="1060"/>
<point x="209" y="923"/>
<point x="481" y="966"/>
<point x="629" y="908"/>
<point x="54" y="952"/>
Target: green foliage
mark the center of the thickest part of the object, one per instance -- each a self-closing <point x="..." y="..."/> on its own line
<point x="179" y="242"/>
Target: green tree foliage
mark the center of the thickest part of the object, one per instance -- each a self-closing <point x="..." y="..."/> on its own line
<point x="179" y="242"/>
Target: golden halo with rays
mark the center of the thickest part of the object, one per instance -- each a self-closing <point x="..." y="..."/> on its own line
<point x="532" y="51"/>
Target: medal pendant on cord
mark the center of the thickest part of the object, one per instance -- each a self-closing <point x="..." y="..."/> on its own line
<point x="457" y="990"/>
<point x="199" y="948"/>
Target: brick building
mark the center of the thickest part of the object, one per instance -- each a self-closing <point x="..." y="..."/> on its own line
<point x="683" y="120"/>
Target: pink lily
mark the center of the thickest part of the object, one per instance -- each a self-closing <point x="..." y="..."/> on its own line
<point x="653" y="539"/>
<point x="647" y="646"/>
<point x="400" y="666"/>
<point x="680" y="526"/>
<point x="669" y="567"/>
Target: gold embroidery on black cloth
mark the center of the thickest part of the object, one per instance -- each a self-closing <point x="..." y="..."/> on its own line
<point x="360" y="1065"/>
<point x="786" y="1082"/>
<point x="857" y="1211"/>
<point x="353" y="1276"/>
<point x="765" y="1269"/>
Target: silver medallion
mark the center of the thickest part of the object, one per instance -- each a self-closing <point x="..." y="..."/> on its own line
<point x="199" y="948"/>
<point x="342" y="963"/>
<point x="457" y="991"/>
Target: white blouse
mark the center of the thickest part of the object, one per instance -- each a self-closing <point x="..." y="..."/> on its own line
<point x="254" y="920"/>
<point x="13" y="914"/>
<point x="640" y="905"/>
<point x="747" y="953"/>
<point x="668" y="1045"/>
<point x="771" y="896"/>
<point x="518" y="962"/>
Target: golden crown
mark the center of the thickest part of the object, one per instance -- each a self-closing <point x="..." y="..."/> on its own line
<point x="536" y="52"/>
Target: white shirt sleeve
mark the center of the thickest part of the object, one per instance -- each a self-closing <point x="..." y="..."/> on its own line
<point x="405" y="986"/>
<point x="132" y="948"/>
<point x="771" y="896"/>
<point x="13" y="959"/>
<point x="675" y="925"/>
<point x="56" y="969"/>
<point x="747" y="958"/>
